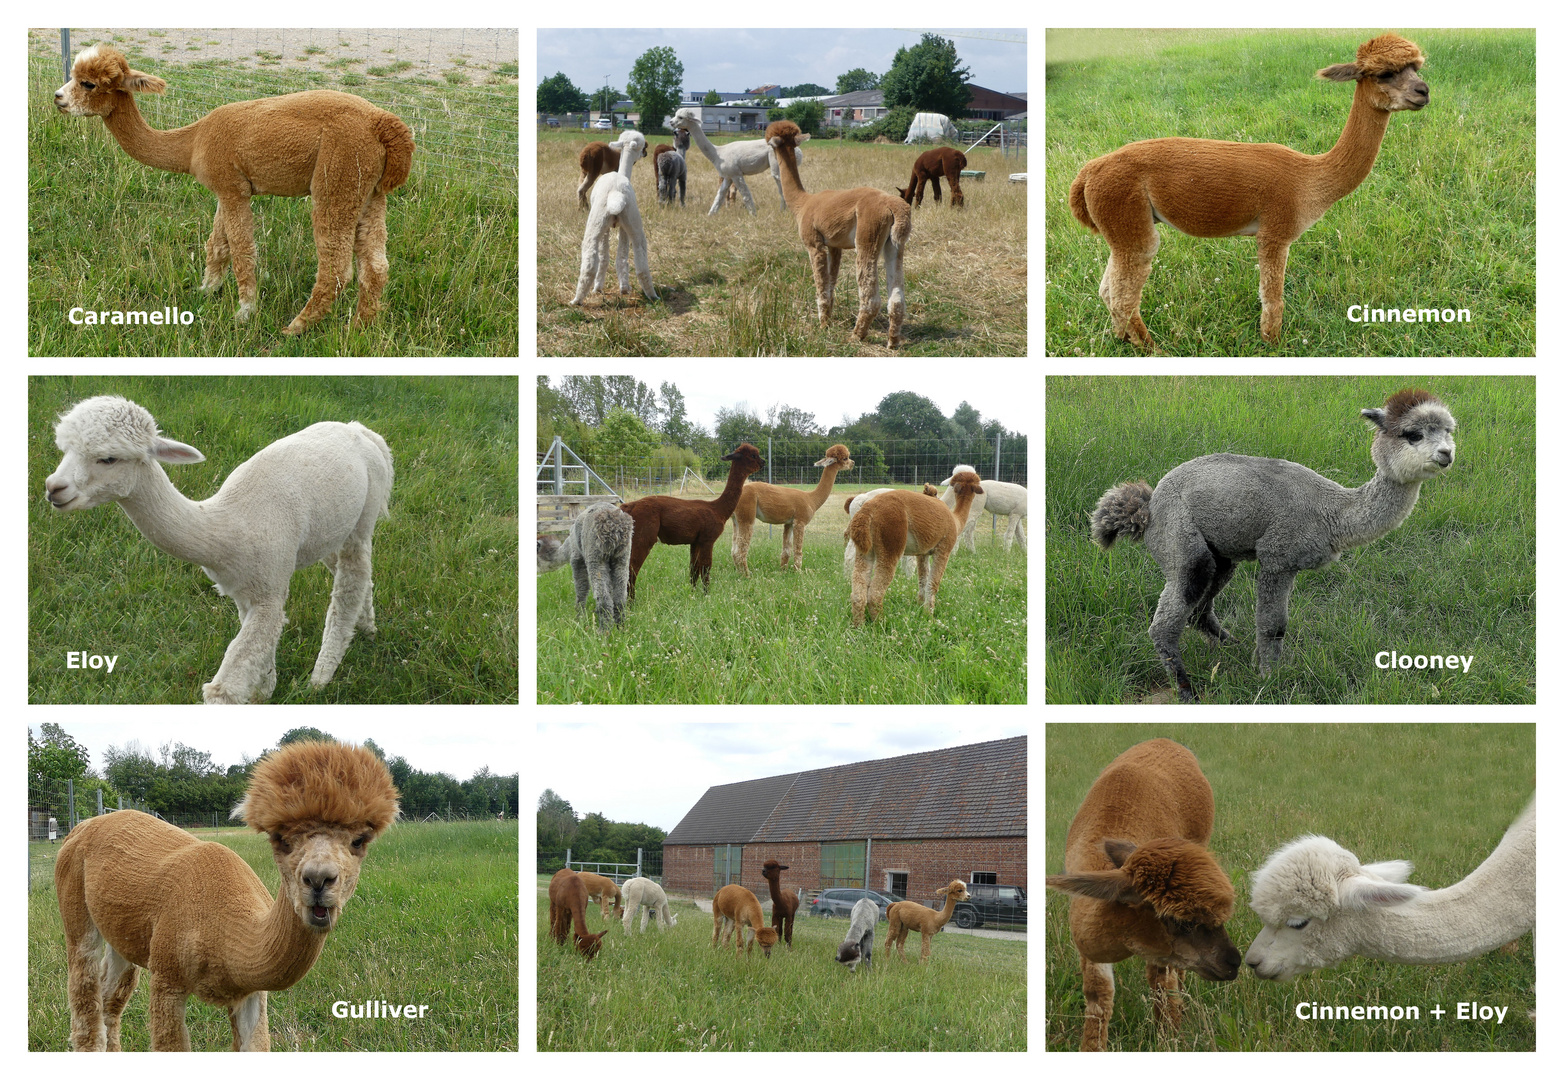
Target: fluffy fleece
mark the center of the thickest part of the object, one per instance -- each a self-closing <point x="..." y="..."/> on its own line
<point x="647" y="896"/>
<point x="858" y="946"/>
<point x="788" y="507"/>
<point x="602" y="889"/>
<point x="599" y="554"/>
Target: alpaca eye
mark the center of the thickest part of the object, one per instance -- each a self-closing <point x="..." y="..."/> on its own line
<point x="107" y="460"/>
<point x="1414" y="436"/>
<point x="89" y="86"/>
<point x="1297" y="924"/>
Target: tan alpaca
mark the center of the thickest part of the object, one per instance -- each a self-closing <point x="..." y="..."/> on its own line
<point x="602" y="889"/>
<point x="336" y="148"/>
<point x="136" y="893"/>
<point x="1208" y="188"/>
<point x="788" y="507"/>
<point x="901" y="523"/>
<point x="904" y="915"/>
<point x="736" y="906"/>
<point x="864" y="219"/>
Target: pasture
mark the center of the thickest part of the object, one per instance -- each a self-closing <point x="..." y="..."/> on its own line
<point x="1438" y="795"/>
<point x="672" y="991"/>
<point x="737" y="285"/>
<point x="785" y="636"/>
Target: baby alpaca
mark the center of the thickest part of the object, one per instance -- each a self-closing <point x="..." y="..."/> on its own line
<point x="784" y="905"/>
<point x="859" y="944"/>
<point x="1211" y="513"/>
<point x="668" y="165"/>
<point x="311" y="497"/>
<point x="647" y="896"/>
<point x="614" y="208"/>
<point x="904" y="915"/>
<point x="600" y="560"/>
<point x="338" y="149"/>
<point x="735" y="906"/>
<point x="1208" y="188"/>
<point x="905" y="523"/>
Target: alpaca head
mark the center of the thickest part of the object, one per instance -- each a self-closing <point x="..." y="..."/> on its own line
<point x="111" y="446"/>
<point x="766" y="936"/>
<point x="553" y="552"/>
<point x="784" y="136"/>
<point x="956" y="890"/>
<point x="965" y="483"/>
<point x="1386" y="68"/>
<point x="772" y="871"/>
<point x="746" y="459"/>
<point x="631" y="145"/>
<point x="321" y="804"/>
<point x="1307" y="894"/>
<point x="98" y="77"/>
<point x="1414" y="438"/>
<point x="838" y="456"/>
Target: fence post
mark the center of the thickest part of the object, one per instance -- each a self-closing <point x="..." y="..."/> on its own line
<point x="567" y="858"/>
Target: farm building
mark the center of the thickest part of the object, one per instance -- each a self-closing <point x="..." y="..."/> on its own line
<point x="903" y="825"/>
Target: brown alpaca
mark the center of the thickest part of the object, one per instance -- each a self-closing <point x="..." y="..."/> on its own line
<point x="736" y="906"/>
<point x="336" y="148"/>
<point x="788" y="507"/>
<point x="784" y="905"/>
<point x="567" y="901"/>
<point x="697" y="523"/>
<point x="1211" y="189"/>
<point x="904" y="915"/>
<point x="829" y="222"/>
<point x="941" y="161"/>
<point x="901" y="523"/>
<point x="136" y="892"/>
<point x="1144" y="883"/>
<point x="602" y="889"/>
<point x="596" y="159"/>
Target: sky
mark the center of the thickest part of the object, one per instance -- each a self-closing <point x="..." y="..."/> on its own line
<point x="653" y="774"/>
<point x="736" y="59"/>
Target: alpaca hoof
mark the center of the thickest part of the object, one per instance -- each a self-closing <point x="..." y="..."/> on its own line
<point x="213" y="694"/>
<point x="295" y="328"/>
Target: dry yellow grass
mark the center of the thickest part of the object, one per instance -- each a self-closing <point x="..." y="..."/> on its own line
<point x="736" y="285"/>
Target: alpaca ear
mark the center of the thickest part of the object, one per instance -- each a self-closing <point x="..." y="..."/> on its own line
<point x="1364" y="894"/>
<point x="175" y="453"/>
<point x="1375" y="417"/>
<point x="142" y="83"/>
<point x="1118" y="850"/>
<point x="1339" y="73"/>
<point x="1395" y="870"/>
<point x="1110" y="885"/>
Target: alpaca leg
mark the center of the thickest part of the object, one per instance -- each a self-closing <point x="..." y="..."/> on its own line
<point x="166" y="1011"/>
<point x="643" y="269"/>
<point x="895" y="287"/>
<point x="84" y="985"/>
<point x="374" y="269"/>
<point x="119" y="982"/>
<point x="935" y="181"/>
<point x="1166" y="626"/>
<point x="618" y="569"/>
<point x="622" y="262"/>
<point x="825" y="280"/>
<point x="700" y="564"/>
<point x="248" y="1020"/>
<point x="722" y="193"/>
<point x="941" y="560"/>
<point x="749" y="200"/>
<point x="884" y="574"/>
<point x="928" y="938"/>
<point x="335" y="224"/>
<point x="591" y="266"/>
<point x="1272" y="592"/>
<point x="1273" y="273"/>
<point x="1165" y="1000"/>
<point x="601" y="592"/>
<point x="868" y="289"/>
<point x="1130" y="271"/>
<point x="583" y="581"/>
<point x="740" y="551"/>
<point x="1097" y="980"/>
<point x="1201" y="615"/>
<point x="862" y="567"/>
<point x="641" y="542"/>
<point x="219" y="256"/>
<point x="249" y="668"/>
<point x="239" y="228"/>
<point x="349" y="593"/>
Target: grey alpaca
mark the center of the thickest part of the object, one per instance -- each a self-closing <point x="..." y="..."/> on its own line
<point x="671" y="169"/>
<point x="859" y="945"/>
<point x="598" y="550"/>
<point x="1211" y="513"/>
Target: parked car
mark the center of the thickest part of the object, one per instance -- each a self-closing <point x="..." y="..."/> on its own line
<point x="838" y="903"/>
<point x="604" y="123"/>
<point x="551" y="122"/>
<point x="1003" y="905"/>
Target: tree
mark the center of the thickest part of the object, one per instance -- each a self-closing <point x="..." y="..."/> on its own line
<point x="906" y="415"/>
<point x="593" y="397"/>
<point x="855" y="80"/>
<point x="623" y="442"/>
<point x="604" y="97"/>
<point x="927" y="78"/>
<point x="807" y="89"/>
<point x="806" y="114"/>
<point x="677" y="428"/>
<point x="654" y="86"/>
<point x="557" y="94"/>
<point x="711" y="98"/>
<point x="56" y="755"/>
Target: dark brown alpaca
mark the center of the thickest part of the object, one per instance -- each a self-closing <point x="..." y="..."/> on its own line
<point x="784" y="905"/>
<point x="676" y="521"/>
<point x="596" y="159"/>
<point x="567" y="900"/>
<point x="930" y="166"/>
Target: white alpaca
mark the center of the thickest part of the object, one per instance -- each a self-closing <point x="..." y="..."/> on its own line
<point x="313" y="496"/>
<point x="1320" y="906"/>
<point x="647" y="896"/>
<point x="614" y="207"/>
<point x="858" y="946"/>
<point x="733" y="161"/>
<point x="850" y="553"/>
<point x="998" y="498"/>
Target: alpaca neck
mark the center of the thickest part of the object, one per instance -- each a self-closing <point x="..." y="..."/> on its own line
<point x="279" y="950"/>
<point x="942" y="916"/>
<point x="731" y="491"/>
<point x="963" y="509"/>
<point x="1373" y="510"/>
<point x="626" y="163"/>
<point x="793" y="194"/>
<point x="817" y="499"/>
<point x="1349" y="162"/>
<point x="168" y="150"/>
<point x="706" y="146"/>
<point x="173" y="523"/>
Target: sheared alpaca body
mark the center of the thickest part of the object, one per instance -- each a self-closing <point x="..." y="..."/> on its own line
<point x="1208" y="188"/>
<point x="864" y="219"/>
<point x="337" y="148"/>
<point x="998" y="498"/>
<point x="733" y="161"/>
<point x="614" y="209"/>
<point x="784" y="905"/>
<point x="694" y="522"/>
<point x="788" y="507"/>
<point x="853" y="504"/>
<point x="904" y="915"/>
<point x="567" y="902"/>
<point x="645" y="895"/>
<point x="858" y="946"/>
<point x="602" y="889"/>
<point x="1319" y="906"/>
<point x="943" y="161"/>
<point x="1144" y="884"/>
<point x="905" y="523"/>
<point x="735" y="907"/>
<point x="136" y="892"/>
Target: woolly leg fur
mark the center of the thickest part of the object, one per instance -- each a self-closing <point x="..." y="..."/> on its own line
<point x="352" y="606"/>
<point x="249" y="669"/>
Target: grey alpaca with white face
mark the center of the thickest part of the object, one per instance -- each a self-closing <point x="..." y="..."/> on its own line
<point x="1213" y="512"/>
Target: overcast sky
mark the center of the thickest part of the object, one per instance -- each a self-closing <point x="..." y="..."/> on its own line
<point x="736" y="59"/>
<point x="654" y="773"/>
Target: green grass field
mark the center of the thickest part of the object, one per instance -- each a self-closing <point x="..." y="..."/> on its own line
<point x="1446" y="219"/>
<point x="1439" y="795"/>
<point x="673" y="991"/>
<point x="1458" y="577"/>
<point x="785" y="636"/>
<point x="433" y="922"/>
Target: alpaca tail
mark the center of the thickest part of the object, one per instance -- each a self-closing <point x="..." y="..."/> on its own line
<point x="1078" y="202"/>
<point x="397" y="138"/>
<point x="1123" y="510"/>
<point x="861" y="534"/>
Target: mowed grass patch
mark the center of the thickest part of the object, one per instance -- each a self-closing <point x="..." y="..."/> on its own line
<point x="740" y="285"/>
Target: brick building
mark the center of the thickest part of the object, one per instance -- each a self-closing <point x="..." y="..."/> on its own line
<point x="903" y="825"/>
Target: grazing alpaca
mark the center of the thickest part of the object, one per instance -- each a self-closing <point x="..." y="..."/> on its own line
<point x="689" y="521"/>
<point x="597" y="158"/>
<point x="647" y="896"/>
<point x="669" y="172"/>
<point x="1144" y="883"/>
<point x="733" y="161"/>
<point x="859" y="943"/>
<point x="941" y="161"/>
<point x="904" y="915"/>
<point x="1320" y="906"/>
<point x="1210" y="513"/>
<point x="788" y="507"/>
<point x="602" y="889"/>
<point x="998" y="498"/>
<point x="1208" y="188"/>
<point x="553" y="552"/>
<point x="829" y="222"/>
<point x="599" y="554"/>
<point x="734" y="905"/>
<point x="614" y="208"/>
<point x="567" y="901"/>
<point x="784" y="905"/>
<point x="905" y="523"/>
<point x="136" y="892"/>
<point x="338" y="149"/>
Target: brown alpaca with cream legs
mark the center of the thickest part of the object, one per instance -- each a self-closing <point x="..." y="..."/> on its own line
<point x="788" y="507"/>
<point x="906" y="523"/>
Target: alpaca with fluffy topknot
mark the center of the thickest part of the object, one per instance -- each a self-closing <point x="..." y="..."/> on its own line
<point x="136" y="892"/>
